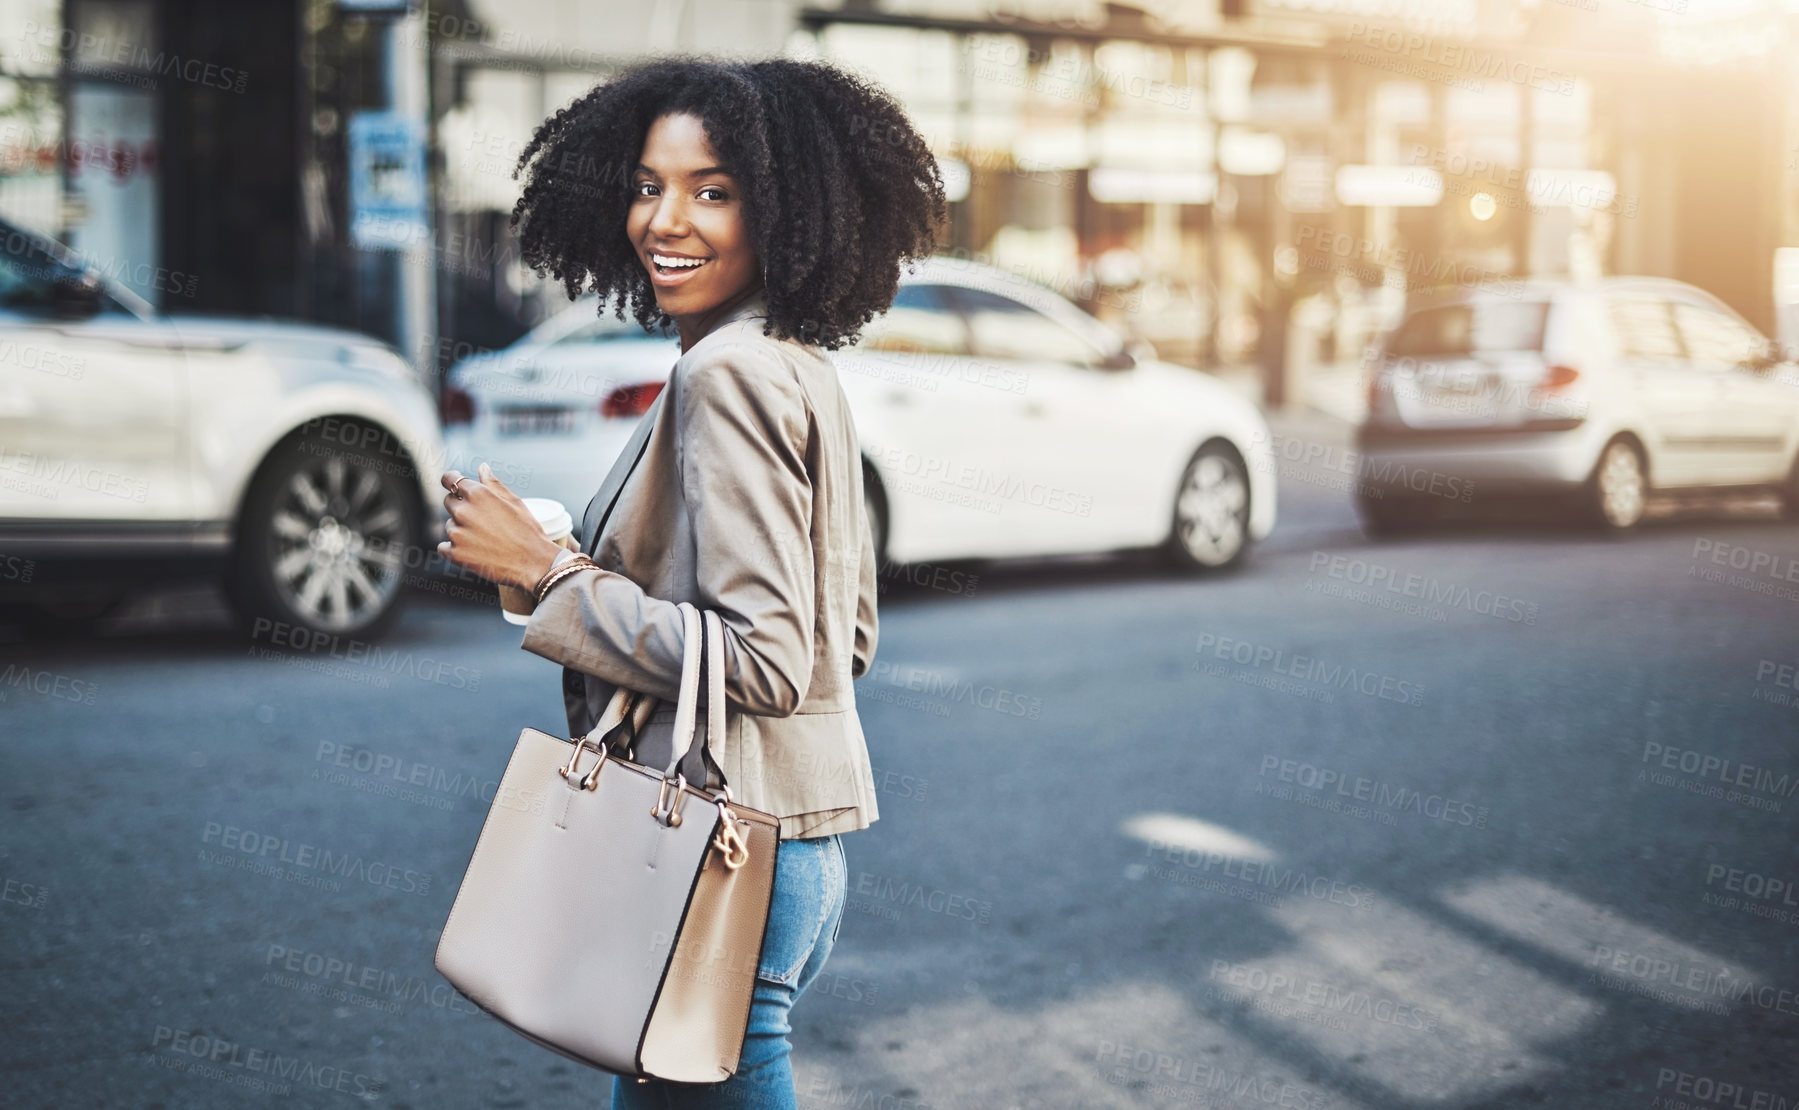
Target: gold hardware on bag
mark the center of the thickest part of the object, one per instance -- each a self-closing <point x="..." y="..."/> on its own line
<point x="674" y="804"/>
<point x="592" y="779"/>
<point x="574" y="759"/>
<point x="730" y="842"/>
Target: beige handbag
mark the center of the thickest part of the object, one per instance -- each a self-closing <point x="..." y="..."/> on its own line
<point x="613" y="913"/>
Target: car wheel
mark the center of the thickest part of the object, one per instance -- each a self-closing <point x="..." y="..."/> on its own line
<point x="1619" y="488"/>
<point x="322" y="540"/>
<point x="1211" y="511"/>
<point x="1391" y="516"/>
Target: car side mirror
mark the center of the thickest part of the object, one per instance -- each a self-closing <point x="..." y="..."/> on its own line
<point x="75" y="298"/>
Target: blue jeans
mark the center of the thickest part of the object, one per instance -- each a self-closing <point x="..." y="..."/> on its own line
<point x="811" y="882"/>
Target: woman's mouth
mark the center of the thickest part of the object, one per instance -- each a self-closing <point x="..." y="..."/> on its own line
<point x="670" y="268"/>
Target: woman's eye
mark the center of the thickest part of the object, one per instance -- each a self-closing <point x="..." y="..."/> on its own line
<point x="639" y="188"/>
<point x="713" y="192"/>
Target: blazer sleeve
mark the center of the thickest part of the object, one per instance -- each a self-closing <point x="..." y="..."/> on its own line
<point x="867" y="623"/>
<point x="742" y="429"/>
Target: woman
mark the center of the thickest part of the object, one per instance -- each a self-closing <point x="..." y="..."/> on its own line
<point x="764" y="209"/>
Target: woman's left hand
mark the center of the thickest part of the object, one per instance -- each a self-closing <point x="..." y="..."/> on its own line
<point x="492" y="532"/>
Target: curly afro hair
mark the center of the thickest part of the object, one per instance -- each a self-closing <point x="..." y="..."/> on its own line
<point x="838" y="189"/>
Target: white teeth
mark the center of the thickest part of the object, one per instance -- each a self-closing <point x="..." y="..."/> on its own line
<point x="676" y="263"/>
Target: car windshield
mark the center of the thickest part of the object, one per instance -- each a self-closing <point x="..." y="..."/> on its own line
<point x="1477" y="327"/>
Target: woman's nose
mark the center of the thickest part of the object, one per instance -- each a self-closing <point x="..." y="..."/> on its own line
<point x="669" y="220"/>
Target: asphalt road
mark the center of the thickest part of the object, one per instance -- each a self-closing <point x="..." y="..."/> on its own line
<point x="1486" y="818"/>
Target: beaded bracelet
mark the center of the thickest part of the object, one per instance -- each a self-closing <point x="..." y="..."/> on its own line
<point x="581" y="561"/>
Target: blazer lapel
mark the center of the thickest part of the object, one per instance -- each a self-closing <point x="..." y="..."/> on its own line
<point x="601" y="505"/>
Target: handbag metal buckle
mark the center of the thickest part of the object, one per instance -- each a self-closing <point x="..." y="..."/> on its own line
<point x="591" y="780"/>
<point x="732" y="847"/>
<point x="673" y="812"/>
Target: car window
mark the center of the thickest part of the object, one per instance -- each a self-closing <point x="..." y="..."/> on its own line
<point x="1646" y="332"/>
<point x="28" y="280"/>
<point x="1713" y="340"/>
<point x="1001" y="327"/>
<point x="1473" y="328"/>
<point x="921" y="321"/>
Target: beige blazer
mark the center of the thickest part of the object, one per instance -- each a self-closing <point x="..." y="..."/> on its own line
<point x="747" y="500"/>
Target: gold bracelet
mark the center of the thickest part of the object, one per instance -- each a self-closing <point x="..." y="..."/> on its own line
<point x="581" y="561"/>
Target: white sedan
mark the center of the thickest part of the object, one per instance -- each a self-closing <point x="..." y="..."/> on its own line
<point x="996" y="419"/>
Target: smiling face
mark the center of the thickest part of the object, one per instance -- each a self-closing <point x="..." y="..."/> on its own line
<point x="686" y="225"/>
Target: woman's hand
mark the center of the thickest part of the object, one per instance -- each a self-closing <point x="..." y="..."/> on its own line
<point x="492" y="533"/>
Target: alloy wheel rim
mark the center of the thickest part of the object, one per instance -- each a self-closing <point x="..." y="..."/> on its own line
<point x="1621" y="486"/>
<point x="1211" y="509"/>
<point x="335" y="535"/>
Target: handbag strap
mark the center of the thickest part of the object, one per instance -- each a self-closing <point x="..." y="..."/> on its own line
<point x="712" y="672"/>
<point x="688" y="745"/>
<point x="702" y="655"/>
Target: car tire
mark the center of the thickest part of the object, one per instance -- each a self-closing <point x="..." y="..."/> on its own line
<point x="1209" y="529"/>
<point x="1617" y="491"/>
<point x="322" y="540"/>
<point x="1391" y="516"/>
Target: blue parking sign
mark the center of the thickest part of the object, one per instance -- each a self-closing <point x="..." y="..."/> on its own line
<point x="387" y="181"/>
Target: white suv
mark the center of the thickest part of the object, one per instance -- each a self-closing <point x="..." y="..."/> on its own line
<point x="298" y="461"/>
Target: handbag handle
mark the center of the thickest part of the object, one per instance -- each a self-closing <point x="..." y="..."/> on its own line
<point x="702" y="653"/>
<point x="687" y="746"/>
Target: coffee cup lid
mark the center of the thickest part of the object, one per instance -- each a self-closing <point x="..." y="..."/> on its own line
<point x="551" y="515"/>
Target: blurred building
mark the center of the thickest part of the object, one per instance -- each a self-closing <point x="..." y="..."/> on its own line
<point x="1224" y="177"/>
